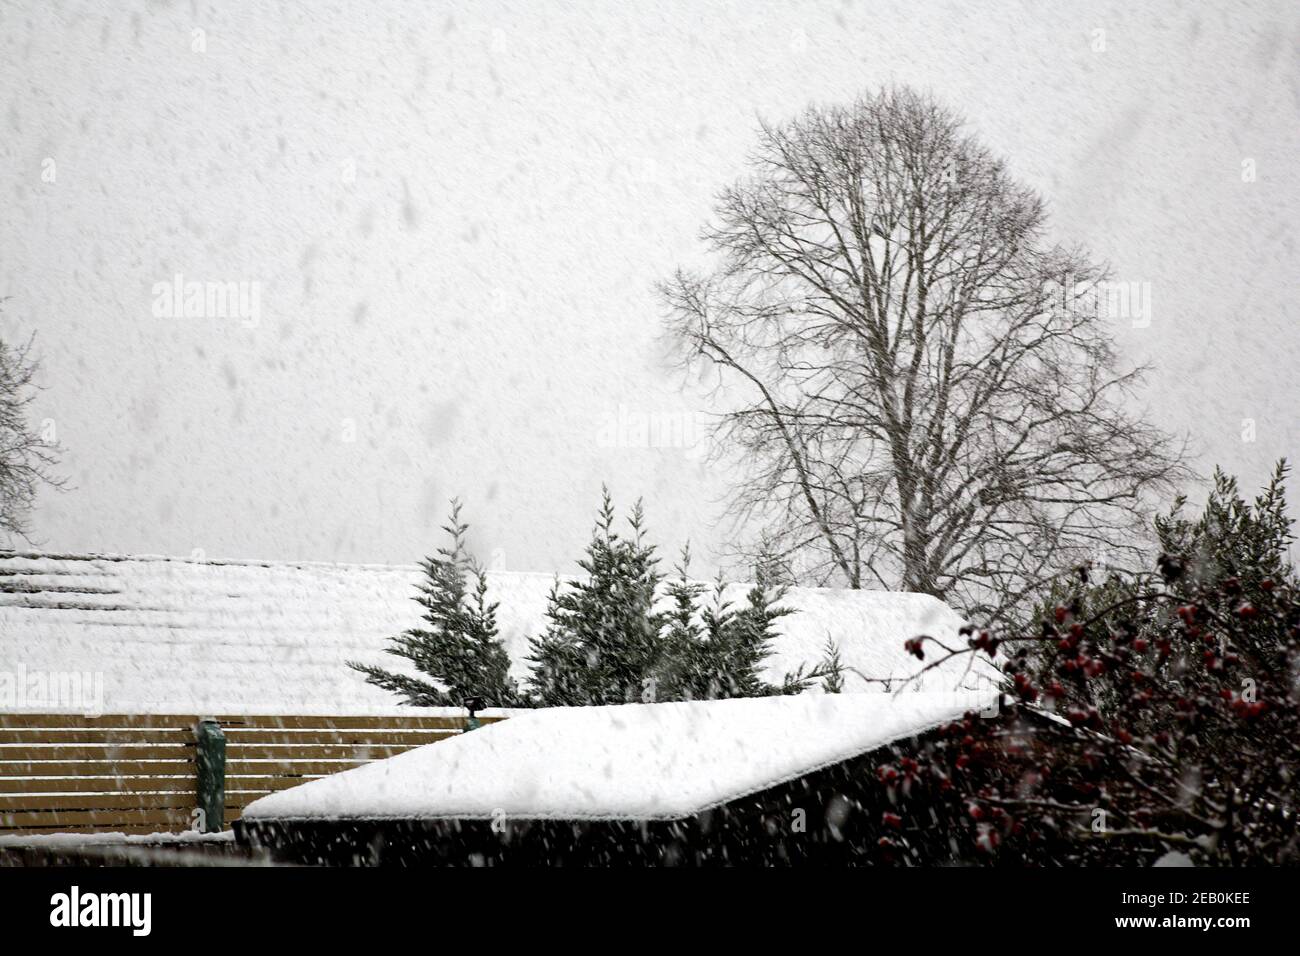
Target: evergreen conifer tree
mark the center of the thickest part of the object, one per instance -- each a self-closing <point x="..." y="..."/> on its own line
<point x="736" y="642"/>
<point x="458" y="649"/>
<point x="604" y="643"/>
<point x="608" y="639"/>
<point x="832" y="668"/>
<point x="683" y="646"/>
<point x="753" y="631"/>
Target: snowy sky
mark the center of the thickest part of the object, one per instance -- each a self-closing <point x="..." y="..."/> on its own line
<point x="452" y="216"/>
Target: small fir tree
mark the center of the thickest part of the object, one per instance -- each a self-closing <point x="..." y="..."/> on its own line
<point x="605" y="641"/>
<point x="609" y="640"/>
<point x="683" y="651"/>
<point x="832" y="668"/>
<point x="736" y="643"/>
<point x="458" y="650"/>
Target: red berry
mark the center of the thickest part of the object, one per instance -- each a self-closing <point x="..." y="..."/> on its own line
<point x="892" y="820"/>
<point x="985" y="642"/>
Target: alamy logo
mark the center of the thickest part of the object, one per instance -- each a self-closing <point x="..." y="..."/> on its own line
<point x="180" y="299"/>
<point x="21" y="689"/>
<point x="1106" y="299"/>
<point x="134" y="910"/>
<point x="627" y="427"/>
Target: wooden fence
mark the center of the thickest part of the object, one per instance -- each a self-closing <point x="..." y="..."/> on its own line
<point x="137" y="774"/>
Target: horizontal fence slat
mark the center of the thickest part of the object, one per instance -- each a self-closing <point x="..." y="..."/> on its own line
<point x="154" y="735"/>
<point x="266" y="784"/>
<point x="96" y="735"/>
<point x="310" y="752"/>
<point x="98" y="768"/>
<point x="269" y="721"/>
<point x="91" y="752"/>
<point x="109" y="819"/>
<point x="138" y="829"/>
<point x="407" y="738"/>
<point x="98" y="721"/>
<point x="180" y="784"/>
<point x="241" y="800"/>
<point x="304" y="722"/>
<point x="96" y="801"/>
<point x="290" y="767"/>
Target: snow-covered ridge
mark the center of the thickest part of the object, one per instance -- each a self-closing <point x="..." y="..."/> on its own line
<point x="181" y="635"/>
<point x="625" y="762"/>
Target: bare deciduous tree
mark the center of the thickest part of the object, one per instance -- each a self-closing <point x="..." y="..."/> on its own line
<point x="27" y="459"/>
<point x="919" y="395"/>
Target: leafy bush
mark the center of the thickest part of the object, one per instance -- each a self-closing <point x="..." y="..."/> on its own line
<point x="1155" y="714"/>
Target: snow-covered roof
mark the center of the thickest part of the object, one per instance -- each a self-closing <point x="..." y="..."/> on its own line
<point x="625" y="762"/>
<point x="169" y="634"/>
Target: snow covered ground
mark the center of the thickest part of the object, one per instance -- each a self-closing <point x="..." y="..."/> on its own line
<point x="626" y="762"/>
<point x="172" y="635"/>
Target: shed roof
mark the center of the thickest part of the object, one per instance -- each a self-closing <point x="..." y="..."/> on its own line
<point x="624" y="762"/>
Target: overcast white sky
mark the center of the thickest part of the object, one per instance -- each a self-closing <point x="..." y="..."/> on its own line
<point x="455" y="213"/>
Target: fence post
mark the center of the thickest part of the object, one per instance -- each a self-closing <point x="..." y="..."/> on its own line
<point x="211" y="760"/>
<point x="473" y="704"/>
